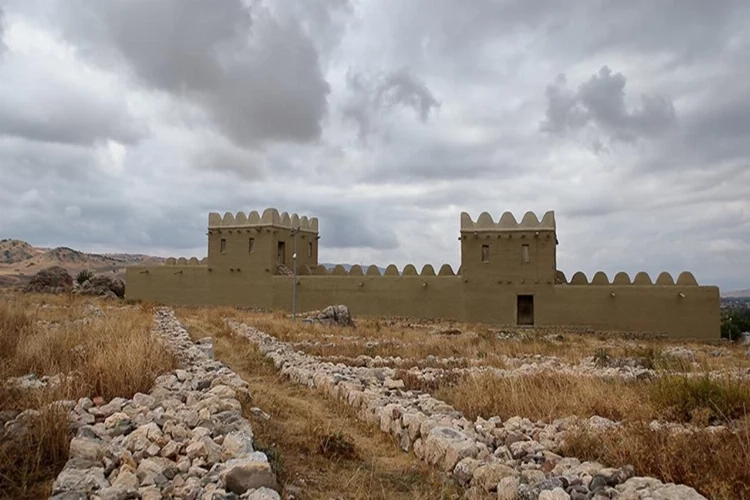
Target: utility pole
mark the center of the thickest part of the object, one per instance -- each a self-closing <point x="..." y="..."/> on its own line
<point x="294" y="276"/>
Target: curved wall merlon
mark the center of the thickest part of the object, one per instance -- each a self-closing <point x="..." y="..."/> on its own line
<point x="508" y="222"/>
<point x="270" y="217"/>
<point x="600" y="278"/>
<point x="391" y="270"/>
<point x="182" y="261"/>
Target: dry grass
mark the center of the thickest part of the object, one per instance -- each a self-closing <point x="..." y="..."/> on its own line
<point x="716" y="464"/>
<point x="548" y="396"/>
<point x="110" y="356"/>
<point x="414" y="339"/>
<point x="317" y="446"/>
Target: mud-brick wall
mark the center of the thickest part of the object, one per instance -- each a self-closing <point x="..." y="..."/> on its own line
<point x="178" y="285"/>
<point x="415" y="296"/>
<point x="197" y="285"/>
<point x="653" y="308"/>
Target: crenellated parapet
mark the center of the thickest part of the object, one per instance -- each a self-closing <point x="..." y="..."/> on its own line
<point x="270" y="217"/>
<point x="508" y="222"/>
<point x="600" y="278"/>
<point x="182" y="261"/>
<point x="391" y="270"/>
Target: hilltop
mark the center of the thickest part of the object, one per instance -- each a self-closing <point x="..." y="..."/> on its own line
<point x="20" y="260"/>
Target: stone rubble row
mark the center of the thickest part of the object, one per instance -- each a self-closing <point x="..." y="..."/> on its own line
<point x="531" y="364"/>
<point x="185" y="439"/>
<point x="512" y="459"/>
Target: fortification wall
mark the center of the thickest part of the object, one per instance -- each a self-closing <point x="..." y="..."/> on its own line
<point x="419" y="294"/>
<point x="183" y="284"/>
<point x="677" y="308"/>
<point x="189" y="282"/>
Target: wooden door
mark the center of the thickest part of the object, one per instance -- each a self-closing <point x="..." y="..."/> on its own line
<point x="525" y="310"/>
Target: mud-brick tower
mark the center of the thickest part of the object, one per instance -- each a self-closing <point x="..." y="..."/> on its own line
<point x="518" y="256"/>
<point x="260" y="245"/>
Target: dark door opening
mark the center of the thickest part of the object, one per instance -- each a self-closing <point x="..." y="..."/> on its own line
<point x="281" y="253"/>
<point x="525" y="310"/>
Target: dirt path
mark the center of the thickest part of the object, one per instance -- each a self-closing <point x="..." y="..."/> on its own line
<point x="317" y="446"/>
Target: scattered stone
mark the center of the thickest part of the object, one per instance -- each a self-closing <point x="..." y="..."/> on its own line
<point x="332" y="315"/>
<point x="185" y="439"/>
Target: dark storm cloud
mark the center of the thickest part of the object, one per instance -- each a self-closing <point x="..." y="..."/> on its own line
<point x="257" y="76"/>
<point x="601" y="101"/>
<point x="223" y="107"/>
<point x="375" y="94"/>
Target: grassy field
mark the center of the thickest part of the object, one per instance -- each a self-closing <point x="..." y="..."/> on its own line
<point x="486" y="345"/>
<point x="319" y="447"/>
<point x="316" y="444"/>
<point x="712" y="462"/>
<point x="99" y="350"/>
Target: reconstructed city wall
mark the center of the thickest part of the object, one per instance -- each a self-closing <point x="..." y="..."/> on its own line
<point x="677" y="308"/>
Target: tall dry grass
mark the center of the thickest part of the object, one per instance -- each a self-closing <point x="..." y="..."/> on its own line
<point x="715" y="464"/>
<point x="415" y="339"/>
<point x="548" y="396"/>
<point x="111" y="356"/>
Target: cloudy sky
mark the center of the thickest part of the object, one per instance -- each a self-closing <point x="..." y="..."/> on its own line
<point x="124" y="122"/>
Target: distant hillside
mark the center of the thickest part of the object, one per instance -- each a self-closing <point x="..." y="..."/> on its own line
<point x="737" y="294"/>
<point x="19" y="261"/>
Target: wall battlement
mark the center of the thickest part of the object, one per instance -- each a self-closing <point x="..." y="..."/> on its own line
<point x="508" y="276"/>
<point x="270" y="217"/>
<point x="391" y="270"/>
<point x="685" y="278"/>
<point x="508" y="222"/>
<point x="182" y="261"/>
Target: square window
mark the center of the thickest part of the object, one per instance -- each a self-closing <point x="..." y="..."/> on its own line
<point x="223" y="245"/>
<point x="250" y="245"/>
<point x="485" y="253"/>
<point x="525" y="254"/>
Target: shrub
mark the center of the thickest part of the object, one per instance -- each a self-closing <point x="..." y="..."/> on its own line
<point x="83" y="276"/>
<point x="734" y="322"/>
<point x="337" y="446"/>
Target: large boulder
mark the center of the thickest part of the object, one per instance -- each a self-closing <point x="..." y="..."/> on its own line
<point x="54" y="279"/>
<point x="103" y="286"/>
<point x="331" y="315"/>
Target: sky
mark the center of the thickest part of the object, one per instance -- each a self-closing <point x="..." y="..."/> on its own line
<point x="124" y="122"/>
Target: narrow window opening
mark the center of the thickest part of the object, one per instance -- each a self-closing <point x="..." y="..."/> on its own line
<point x="485" y="253"/>
<point x="281" y="253"/>
<point x="223" y="245"/>
<point x="525" y="253"/>
<point x="250" y="245"/>
<point x="309" y="249"/>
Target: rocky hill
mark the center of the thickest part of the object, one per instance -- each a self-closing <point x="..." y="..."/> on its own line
<point x="19" y="261"/>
